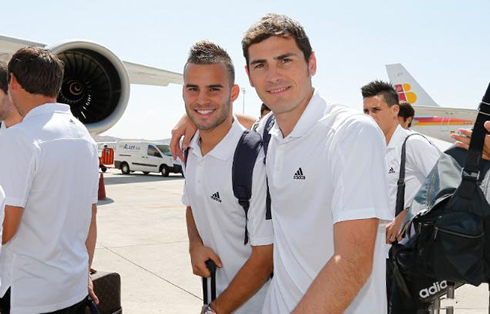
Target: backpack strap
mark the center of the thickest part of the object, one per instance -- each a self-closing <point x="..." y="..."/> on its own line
<point x="246" y="153"/>
<point x="266" y="137"/>
<point x="471" y="170"/>
<point x="186" y="154"/>
<point x="400" y="192"/>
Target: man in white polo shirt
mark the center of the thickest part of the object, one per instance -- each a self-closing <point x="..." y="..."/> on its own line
<point x="8" y="113"/>
<point x="325" y="168"/>
<point x="215" y="220"/>
<point x="381" y="102"/>
<point x="50" y="176"/>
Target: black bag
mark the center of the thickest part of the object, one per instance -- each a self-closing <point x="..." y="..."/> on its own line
<point x="413" y="285"/>
<point x="107" y="287"/>
<point x="450" y="214"/>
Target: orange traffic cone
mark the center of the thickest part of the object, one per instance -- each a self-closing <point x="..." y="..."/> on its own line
<point x="102" y="195"/>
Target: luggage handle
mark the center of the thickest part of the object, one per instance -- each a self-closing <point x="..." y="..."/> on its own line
<point x="212" y="269"/>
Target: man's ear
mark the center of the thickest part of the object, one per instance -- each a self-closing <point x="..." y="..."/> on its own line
<point x="395" y="109"/>
<point x="13" y="83"/>
<point x="235" y="91"/>
<point x="312" y="64"/>
<point x="248" y="74"/>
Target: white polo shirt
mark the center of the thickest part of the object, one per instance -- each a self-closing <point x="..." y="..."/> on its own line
<point x="220" y="220"/>
<point x="50" y="168"/>
<point x="2" y="126"/>
<point x="330" y="168"/>
<point x="421" y="156"/>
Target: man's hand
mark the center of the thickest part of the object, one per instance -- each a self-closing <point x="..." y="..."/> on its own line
<point x="184" y="128"/>
<point x="463" y="140"/>
<point x="91" y="292"/>
<point x="393" y="228"/>
<point x="199" y="255"/>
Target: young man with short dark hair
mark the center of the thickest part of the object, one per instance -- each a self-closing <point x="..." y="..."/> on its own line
<point x="325" y="173"/>
<point x="50" y="176"/>
<point x="406" y="114"/>
<point x="216" y="222"/>
<point x="381" y="103"/>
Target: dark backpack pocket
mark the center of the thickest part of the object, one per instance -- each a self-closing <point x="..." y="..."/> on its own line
<point x="454" y="244"/>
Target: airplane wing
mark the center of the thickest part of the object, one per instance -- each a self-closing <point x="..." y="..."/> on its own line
<point x="138" y="74"/>
<point x="145" y="75"/>
<point x="446" y="112"/>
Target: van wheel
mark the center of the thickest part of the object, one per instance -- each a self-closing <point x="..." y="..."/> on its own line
<point x="125" y="168"/>
<point x="164" y="171"/>
<point x="146" y="173"/>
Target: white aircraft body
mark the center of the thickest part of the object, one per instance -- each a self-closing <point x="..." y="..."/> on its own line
<point x="96" y="82"/>
<point x="430" y="119"/>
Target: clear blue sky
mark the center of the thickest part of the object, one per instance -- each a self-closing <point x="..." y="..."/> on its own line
<point x="444" y="44"/>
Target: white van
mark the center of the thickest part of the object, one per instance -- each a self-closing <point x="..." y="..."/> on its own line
<point x="145" y="157"/>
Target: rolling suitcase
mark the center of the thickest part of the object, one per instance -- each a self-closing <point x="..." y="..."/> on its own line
<point x="212" y="269"/>
<point x="107" y="287"/>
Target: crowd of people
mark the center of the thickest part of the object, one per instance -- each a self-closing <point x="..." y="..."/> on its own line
<point x="321" y="211"/>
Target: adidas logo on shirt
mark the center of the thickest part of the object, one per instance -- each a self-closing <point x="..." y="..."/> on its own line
<point x="299" y="175"/>
<point x="391" y="170"/>
<point x="215" y="197"/>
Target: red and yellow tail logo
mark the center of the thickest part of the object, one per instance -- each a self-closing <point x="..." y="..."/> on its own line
<point x="404" y="93"/>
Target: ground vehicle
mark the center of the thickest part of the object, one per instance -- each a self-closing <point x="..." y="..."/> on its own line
<point x="145" y="157"/>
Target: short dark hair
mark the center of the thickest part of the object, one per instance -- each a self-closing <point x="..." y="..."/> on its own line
<point x="263" y="108"/>
<point x="277" y="25"/>
<point x="4" y="85"/>
<point x="38" y="71"/>
<point x="377" y="87"/>
<point x="406" y="110"/>
<point x="206" y="52"/>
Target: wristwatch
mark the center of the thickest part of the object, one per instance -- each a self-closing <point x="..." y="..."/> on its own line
<point x="206" y="309"/>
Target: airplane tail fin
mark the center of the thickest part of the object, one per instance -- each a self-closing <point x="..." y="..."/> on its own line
<point x="407" y="87"/>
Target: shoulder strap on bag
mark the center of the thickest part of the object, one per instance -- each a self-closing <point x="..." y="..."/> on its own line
<point x="266" y="137"/>
<point x="400" y="192"/>
<point x="471" y="170"/>
<point x="246" y="153"/>
<point x="186" y="154"/>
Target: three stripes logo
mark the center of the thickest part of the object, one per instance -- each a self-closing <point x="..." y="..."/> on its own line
<point x="391" y="170"/>
<point x="299" y="175"/>
<point x="216" y="197"/>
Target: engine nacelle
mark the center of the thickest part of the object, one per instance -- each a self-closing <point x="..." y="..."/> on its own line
<point x="95" y="84"/>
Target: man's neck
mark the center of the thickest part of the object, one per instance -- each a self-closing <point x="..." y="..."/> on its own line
<point x="34" y="101"/>
<point x="12" y="119"/>
<point x="391" y="131"/>
<point x="211" y="138"/>
<point x="288" y="120"/>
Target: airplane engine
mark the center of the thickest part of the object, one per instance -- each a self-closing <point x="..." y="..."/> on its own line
<point x="95" y="84"/>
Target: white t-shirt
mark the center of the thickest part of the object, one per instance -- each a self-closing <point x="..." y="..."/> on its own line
<point x="330" y="168"/>
<point x="220" y="220"/>
<point x="50" y="168"/>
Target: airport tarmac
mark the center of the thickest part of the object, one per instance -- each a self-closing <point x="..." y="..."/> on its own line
<point x="142" y="236"/>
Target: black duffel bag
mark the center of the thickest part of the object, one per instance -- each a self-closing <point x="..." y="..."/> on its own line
<point x="450" y="215"/>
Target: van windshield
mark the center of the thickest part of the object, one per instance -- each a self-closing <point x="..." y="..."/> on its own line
<point x="165" y="149"/>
